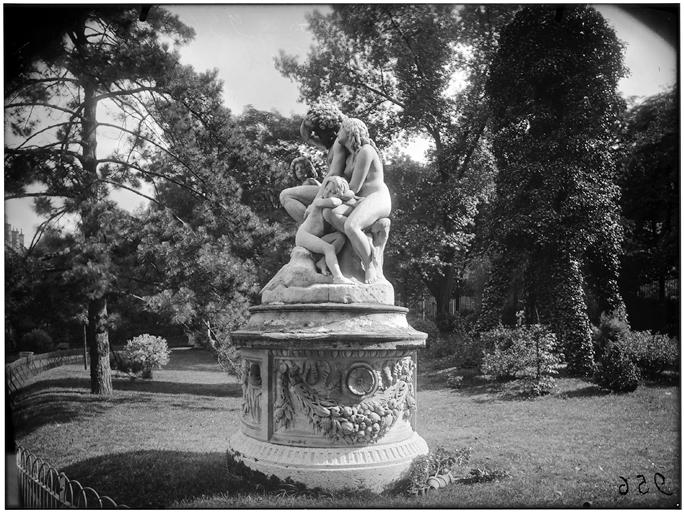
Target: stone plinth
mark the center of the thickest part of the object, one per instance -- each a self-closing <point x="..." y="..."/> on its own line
<point x="329" y="393"/>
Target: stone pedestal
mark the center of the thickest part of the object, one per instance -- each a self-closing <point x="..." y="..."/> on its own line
<point x="329" y="393"/>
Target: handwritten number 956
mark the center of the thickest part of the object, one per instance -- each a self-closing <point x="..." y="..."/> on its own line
<point x="642" y="486"/>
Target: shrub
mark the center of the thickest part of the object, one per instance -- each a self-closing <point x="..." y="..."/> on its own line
<point x="454" y="381"/>
<point x="652" y="353"/>
<point x="426" y="468"/>
<point x="610" y="330"/>
<point x="617" y="371"/>
<point x="37" y="340"/>
<point x="146" y="352"/>
<point x="527" y="352"/>
<point x="467" y="351"/>
<point x="120" y="361"/>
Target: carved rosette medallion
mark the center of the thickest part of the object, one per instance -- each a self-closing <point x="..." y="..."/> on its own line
<point x="361" y="380"/>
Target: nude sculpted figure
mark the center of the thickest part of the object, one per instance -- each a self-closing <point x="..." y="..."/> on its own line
<point x="310" y="235"/>
<point x="351" y="155"/>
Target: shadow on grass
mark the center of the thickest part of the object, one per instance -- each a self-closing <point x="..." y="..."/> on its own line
<point x="665" y="380"/>
<point x="193" y="359"/>
<point x="141" y="385"/>
<point x="472" y="383"/>
<point x="153" y="478"/>
<point x="42" y="408"/>
<point x="585" y="392"/>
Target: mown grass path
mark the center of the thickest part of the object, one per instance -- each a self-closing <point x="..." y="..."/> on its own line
<point x="162" y="443"/>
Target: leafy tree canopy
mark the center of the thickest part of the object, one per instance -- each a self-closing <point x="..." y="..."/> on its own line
<point x="416" y="69"/>
<point x="649" y="181"/>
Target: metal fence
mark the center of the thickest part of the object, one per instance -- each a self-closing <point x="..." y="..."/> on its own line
<point x="18" y="372"/>
<point x="652" y="290"/>
<point x="427" y="307"/>
<point x="42" y="486"/>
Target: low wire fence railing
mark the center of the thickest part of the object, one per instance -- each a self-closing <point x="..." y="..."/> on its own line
<point x="42" y="486"/>
<point x="18" y="372"/>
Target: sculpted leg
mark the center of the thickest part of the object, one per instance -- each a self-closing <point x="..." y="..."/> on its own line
<point x="316" y="245"/>
<point x="380" y="231"/>
<point x="337" y="217"/>
<point x="362" y="247"/>
<point x="296" y="199"/>
<point x="366" y="213"/>
<point x="337" y="240"/>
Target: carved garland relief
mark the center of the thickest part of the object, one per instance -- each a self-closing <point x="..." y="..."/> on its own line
<point x="386" y="395"/>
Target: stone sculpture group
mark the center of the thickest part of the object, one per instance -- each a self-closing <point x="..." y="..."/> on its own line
<point x="344" y="222"/>
<point x="328" y="360"/>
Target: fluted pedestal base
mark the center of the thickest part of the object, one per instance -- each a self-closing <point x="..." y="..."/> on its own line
<point x="373" y="467"/>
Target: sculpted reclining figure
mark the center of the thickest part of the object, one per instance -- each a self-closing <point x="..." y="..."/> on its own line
<point x="352" y="155"/>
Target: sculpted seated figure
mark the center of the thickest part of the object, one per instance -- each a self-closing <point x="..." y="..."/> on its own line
<point x="364" y="170"/>
<point x="353" y="157"/>
<point x="335" y="193"/>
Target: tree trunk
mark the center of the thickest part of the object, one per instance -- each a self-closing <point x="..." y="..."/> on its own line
<point x="571" y="321"/>
<point x="494" y="294"/>
<point x="442" y="290"/>
<point x="98" y="344"/>
<point x="97" y="335"/>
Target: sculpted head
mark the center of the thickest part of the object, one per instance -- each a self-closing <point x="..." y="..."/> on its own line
<point x="323" y="121"/>
<point x="355" y="132"/>
<point x="335" y="186"/>
<point x="302" y="168"/>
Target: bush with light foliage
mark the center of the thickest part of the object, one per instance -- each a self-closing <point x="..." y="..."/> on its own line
<point x="525" y="352"/>
<point x="146" y="352"/>
<point x="652" y="353"/>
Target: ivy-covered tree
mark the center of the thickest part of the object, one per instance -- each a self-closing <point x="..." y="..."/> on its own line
<point x="555" y="119"/>
<point x="99" y="64"/>
<point x="417" y="69"/>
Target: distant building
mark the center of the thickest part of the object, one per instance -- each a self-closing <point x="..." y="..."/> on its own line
<point x="14" y="238"/>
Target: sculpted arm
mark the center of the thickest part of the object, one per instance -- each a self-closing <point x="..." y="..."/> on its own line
<point x="328" y="202"/>
<point x="339" y="159"/>
<point x="364" y="158"/>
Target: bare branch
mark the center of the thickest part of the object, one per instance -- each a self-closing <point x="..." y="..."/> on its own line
<point x="156" y="174"/>
<point x="156" y="201"/>
<point x="41" y="131"/>
<point x="43" y="226"/>
<point x="58" y="152"/>
<point x="125" y="92"/>
<point x="46" y="105"/>
<point x="380" y="93"/>
<point x="34" y="194"/>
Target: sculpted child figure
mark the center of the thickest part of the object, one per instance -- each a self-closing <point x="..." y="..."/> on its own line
<point x="310" y="235"/>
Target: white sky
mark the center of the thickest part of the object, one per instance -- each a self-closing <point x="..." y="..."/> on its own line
<point x="241" y="41"/>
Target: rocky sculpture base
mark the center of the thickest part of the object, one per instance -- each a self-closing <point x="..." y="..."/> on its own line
<point x="300" y="281"/>
<point x="329" y="394"/>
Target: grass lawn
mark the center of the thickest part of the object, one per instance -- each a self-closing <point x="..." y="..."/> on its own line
<point x="162" y="443"/>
